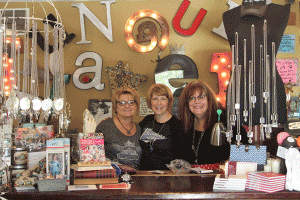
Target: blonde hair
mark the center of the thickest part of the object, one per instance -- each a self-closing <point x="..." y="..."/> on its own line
<point x="116" y="95"/>
<point x="160" y="90"/>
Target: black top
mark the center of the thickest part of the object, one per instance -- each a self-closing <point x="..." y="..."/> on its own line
<point x="155" y="155"/>
<point x="207" y="153"/>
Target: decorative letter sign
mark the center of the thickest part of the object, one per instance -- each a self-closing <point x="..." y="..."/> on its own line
<point x="176" y="21"/>
<point x="83" y="10"/>
<point x="97" y="69"/>
<point x="144" y="14"/>
<point x="221" y="64"/>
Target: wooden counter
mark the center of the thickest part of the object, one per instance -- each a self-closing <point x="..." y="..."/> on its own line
<point x="148" y="186"/>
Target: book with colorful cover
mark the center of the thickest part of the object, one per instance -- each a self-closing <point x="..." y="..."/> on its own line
<point x="90" y="168"/>
<point x="91" y="147"/>
<point x="92" y="181"/>
<point x="106" y="173"/>
<point x="115" y="186"/>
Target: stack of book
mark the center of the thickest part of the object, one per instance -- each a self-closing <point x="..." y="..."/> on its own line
<point x="230" y="183"/>
<point x="265" y="181"/>
<point x="94" y="173"/>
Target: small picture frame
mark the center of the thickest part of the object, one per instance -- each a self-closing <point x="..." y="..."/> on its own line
<point x="100" y="109"/>
<point x="55" y="163"/>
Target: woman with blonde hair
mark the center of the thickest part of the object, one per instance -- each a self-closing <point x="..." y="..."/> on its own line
<point x="121" y="133"/>
<point x="161" y="132"/>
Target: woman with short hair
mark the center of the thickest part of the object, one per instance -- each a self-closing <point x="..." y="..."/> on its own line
<point x="161" y="132"/>
<point x="121" y="133"/>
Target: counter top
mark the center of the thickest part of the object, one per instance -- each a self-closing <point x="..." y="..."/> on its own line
<point x="167" y="186"/>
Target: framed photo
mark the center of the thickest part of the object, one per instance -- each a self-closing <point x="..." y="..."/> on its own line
<point x="55" y="163"/>
<point x="101" y="109"/>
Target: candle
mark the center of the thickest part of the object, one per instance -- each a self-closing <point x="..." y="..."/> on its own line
<point x="267" y="168"/>
<point x="275" y="165"/>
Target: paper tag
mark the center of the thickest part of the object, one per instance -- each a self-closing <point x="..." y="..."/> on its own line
<point x="281" y="151"/>
<point x="294" y="125"/>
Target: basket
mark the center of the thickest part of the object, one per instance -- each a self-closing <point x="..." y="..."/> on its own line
<point x="52" y="184"/>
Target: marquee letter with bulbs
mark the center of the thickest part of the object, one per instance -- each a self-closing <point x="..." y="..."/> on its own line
<point x="221" y="64"/>
<point x="154" y="40"/>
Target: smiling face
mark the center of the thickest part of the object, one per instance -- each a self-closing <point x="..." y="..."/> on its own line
<point x="159" y="104"/>
<point x="126" y="110"/>
<point x="198" y="105"/>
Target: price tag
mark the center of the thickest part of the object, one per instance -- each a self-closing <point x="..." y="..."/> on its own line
<point x="281" y="151"/>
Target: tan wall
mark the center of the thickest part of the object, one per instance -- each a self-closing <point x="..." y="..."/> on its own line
<point x="199" y="47"/>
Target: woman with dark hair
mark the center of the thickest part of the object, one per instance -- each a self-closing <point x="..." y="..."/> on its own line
<point x="198" y="111"/>
<point x="121" y="133"/>
<point x="162" y="132"/>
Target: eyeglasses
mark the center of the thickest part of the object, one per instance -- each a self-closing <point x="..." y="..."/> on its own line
<point x="200" y="98"/>
<point x="123" y="103"/>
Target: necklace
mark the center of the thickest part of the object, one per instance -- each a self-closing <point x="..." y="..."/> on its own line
<point x="151" y="143"/>
<point x="195" y="150"/>
<point x="128" y="131"/>
<point x="160" y="128"/>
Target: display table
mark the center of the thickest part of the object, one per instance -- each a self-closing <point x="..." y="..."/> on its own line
<point x="155" y="186"/>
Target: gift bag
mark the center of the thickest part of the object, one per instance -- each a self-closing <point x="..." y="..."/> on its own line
<point x="248" y="153"/>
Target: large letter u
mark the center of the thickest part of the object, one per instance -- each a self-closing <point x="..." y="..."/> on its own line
<point x="176" y="21"/>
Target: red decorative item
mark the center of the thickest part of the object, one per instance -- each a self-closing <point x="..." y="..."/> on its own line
<point x="176" y="21"/>
<point x="86" y="79"/>
<point x="221" y="64"/>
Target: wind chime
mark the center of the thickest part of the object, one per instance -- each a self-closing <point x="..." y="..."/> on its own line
<point x="268" y="113"/>
<point x="27" y="101"/>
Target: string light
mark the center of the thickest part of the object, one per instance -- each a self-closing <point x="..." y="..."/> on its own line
<point x="162" y="44"/>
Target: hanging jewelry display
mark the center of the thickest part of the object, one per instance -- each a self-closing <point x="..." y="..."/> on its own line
<point x="30" y="103"/>
<point x="268" y="112"/>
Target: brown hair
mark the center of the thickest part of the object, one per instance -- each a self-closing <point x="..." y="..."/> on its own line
<point x="116" y="95"/>
<point x="160" y="90"/>
<point x="184" y="113"/>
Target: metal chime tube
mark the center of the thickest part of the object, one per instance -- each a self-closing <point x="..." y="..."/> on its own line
<point x="268" y="89"/>
<point x="262" y="119"/>
<point x="245" y="113"/>
<point x="274" y="105"/>
<point x="250" y="133"/>
<point x="232" y="110"/>
<point x="266" y="94"/>
<point x="237" y="105"/>
<point x="253" y="96"/>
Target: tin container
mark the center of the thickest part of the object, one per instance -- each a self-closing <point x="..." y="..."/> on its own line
<point x="16" y="171"/>
<point x="19" y="156"/>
